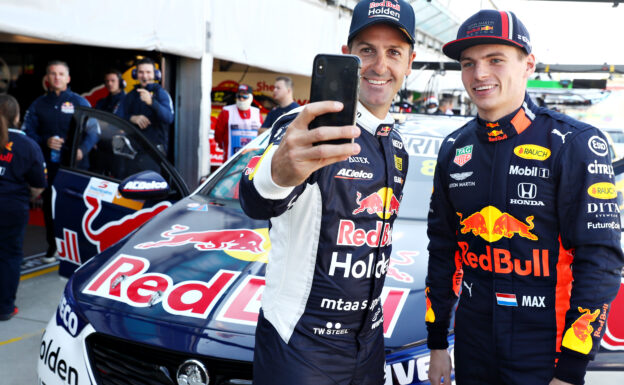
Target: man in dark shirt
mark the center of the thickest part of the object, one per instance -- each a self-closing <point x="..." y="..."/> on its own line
<point x="114" y="83"/>
<point x="149" y="106"/>
<point x="283" y="95"/>
<point x="47" y="121"/>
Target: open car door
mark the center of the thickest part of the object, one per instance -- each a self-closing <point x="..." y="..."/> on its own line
<point x="90" y="214"/>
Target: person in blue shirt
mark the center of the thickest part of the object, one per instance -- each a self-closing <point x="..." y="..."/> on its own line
<point x="283" y="95"/>
<point x="47" y="122"/>
<point x="114" y="83"/>
<point x="22" y="177"/>
<point x="149" y="106"/>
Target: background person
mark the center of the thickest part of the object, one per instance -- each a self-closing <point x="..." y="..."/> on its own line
<point x="431" y="106"/>
<point x="533" y="258"/>
<point x="47" y="121"/>
<point x="149" y="106"/>
<point x="446" y="106"/>
<point x="238" y="124"/>
<point x="114" y="83"/>
<point x="283" y="95"/>
<point x="301" y="338"/>
<point x="22" y="177"/>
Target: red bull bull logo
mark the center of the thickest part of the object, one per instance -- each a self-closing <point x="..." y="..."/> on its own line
<point x="113" y="231"/>
<point x="495" y="133"/>
<point x="236" y="239"/>
<point x="578" y="336"/>
<point x="429" y="314"/>
<point x="492" y="225"/>
<point x="382" y="202"/>
<point x="492" y="125"/>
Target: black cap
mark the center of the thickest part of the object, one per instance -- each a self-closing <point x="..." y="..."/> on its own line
<point x="398" y="13"/>
<point x="489" y="27"/>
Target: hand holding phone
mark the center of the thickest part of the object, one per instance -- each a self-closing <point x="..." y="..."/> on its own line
<point x="337" y="78"/>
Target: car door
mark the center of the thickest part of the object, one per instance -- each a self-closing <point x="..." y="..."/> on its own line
<point x="89" y="212"/>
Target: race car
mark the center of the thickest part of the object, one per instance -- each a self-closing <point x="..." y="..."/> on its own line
<point x="176" y="300"/>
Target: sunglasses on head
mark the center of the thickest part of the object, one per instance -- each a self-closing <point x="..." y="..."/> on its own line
<point x="242" y="96"/>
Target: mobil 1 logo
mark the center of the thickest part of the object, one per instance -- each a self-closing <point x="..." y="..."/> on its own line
<point x="534" y="171"/>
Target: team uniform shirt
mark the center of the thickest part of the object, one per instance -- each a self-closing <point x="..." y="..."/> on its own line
<point x="110" y="102"/>
<point x="524" y="228"/>
<point x="330" y="249"/>
<point x="235" y="128"/>
<point x="50" y="115"/>
<point x="21" y="166"/>
<point x="276" y="112"/>
<point x="160" y="113"/>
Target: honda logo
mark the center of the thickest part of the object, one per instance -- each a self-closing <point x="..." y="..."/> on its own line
<point x="527" y="190"/>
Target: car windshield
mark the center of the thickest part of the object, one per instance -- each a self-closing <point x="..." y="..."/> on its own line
<point x="422" y="148"/>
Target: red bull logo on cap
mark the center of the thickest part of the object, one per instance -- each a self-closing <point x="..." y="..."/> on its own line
<point x="382" y="202"/>
<point x="238" y="243"/>
<point x="491" y="224"/>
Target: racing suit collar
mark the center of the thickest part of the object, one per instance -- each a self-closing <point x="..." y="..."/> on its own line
<point x="507" y="126"/>
<point x="369" y="122"/>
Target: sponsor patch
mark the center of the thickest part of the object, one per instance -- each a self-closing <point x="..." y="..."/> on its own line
<point x="602" y="190"/>
<point x="347" y="173"/>
<point x="529" y="171"/>
<point x="67" y="108"/>
<point x="532" y="151"/>
<point x="463" y="155"/>
<point x="461" y="175"/>
<point x="598" y="146"/>
<point x="398" y="163"/>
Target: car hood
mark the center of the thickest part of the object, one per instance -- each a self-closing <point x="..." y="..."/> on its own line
<point x="196" y="273"/>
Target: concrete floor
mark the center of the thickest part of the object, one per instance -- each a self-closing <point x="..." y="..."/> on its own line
<point x="37" y="298"/>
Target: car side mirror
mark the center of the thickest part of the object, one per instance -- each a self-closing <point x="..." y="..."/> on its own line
<point x="144" y="185"/>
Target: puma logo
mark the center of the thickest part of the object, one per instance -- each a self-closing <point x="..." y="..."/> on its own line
<point x="557" y="132"/>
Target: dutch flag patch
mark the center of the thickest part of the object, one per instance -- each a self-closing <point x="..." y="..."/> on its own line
<point x="504" y="299"/>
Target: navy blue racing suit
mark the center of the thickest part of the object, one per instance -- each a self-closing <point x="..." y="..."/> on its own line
<point x="524" y="228"/>
<point x="321" y="320"/>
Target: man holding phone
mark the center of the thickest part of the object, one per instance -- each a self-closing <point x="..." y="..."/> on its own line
<point x="331" y="208"/>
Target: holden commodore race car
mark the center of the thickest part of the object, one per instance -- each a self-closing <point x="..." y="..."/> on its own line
<point x="177" y="300"/>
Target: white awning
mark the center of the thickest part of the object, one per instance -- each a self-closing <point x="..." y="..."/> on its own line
<point x="176" y="27"/>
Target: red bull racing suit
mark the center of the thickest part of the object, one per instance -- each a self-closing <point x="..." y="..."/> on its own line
<point x="321" y="320"/>
<point x="524" y="228"/>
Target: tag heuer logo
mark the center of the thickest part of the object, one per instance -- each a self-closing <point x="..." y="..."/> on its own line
<point x="463" y="155"/>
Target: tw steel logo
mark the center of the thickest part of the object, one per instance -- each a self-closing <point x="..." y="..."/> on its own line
<point x="245" y="244"/>
<point x="113" y="231"/>
<point x="382" y="202"/>
<point x="492" y="225"/>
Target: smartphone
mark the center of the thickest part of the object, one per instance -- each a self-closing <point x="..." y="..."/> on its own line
<point x="336" y="77"/>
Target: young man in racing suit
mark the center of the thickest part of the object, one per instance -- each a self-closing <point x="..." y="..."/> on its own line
<point x="331" y="208"/>
<point x="524" y="226"/>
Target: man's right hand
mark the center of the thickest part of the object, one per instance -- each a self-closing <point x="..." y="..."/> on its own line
<point x="55" y="143"/>
<point x="440" y="367"/>
<point x="140" y="120"/>
<point x="297" y="157"/>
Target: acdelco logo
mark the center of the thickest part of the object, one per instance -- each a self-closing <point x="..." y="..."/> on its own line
<point x="532" y="151"/>
<point x="602" y="190"/>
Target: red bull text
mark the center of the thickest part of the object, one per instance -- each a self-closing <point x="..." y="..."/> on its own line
<point x="500" y="261"/>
